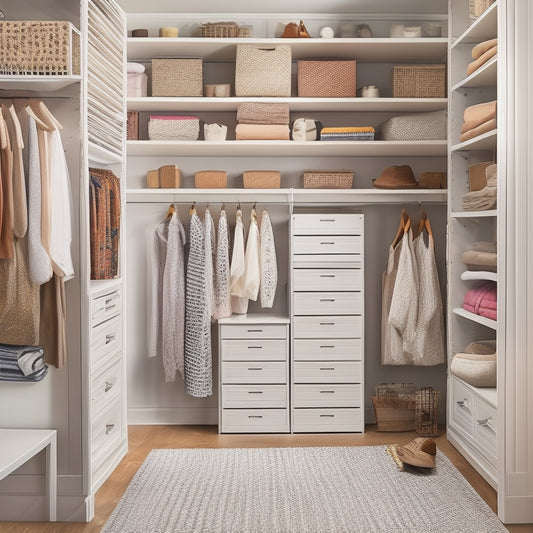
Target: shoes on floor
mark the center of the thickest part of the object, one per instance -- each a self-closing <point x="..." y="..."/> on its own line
<point x="419" y="452"/>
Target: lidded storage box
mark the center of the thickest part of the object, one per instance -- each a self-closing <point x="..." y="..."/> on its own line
<point x="419" y="81"/>
<point x="177" y="77"/>
<point x="326" y="78"/>
<point x="263" y="70"/>
<point x="39" y="47"/>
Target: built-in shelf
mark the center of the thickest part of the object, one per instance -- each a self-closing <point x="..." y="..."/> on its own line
<point x="485" y="27"/>
<point x="369" y="196"/>
<point x="403" y="105"/>
<point x="39" y="84"/>
<point x="474" y="214"/>
<point x="485" y="141"/>
<point x="213" y="49"/>
<point x="484" y="321"/>
<point x="479" y="275"/>
<point x="100" y="155"/>
<point x="484" y="76"/>
<point x="287" y="148"/>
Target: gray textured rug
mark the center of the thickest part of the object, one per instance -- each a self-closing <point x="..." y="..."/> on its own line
<point x="266" y="490"/>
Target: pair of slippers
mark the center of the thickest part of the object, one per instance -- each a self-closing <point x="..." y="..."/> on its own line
<point x="420" y="452"/>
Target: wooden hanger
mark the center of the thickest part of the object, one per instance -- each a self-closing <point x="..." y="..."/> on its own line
<point x="3" y="131"/>
<point x="192" y="209"/>
<point x="44" y="113"/>
<point x="30" y="112"/>
<point x="171" y="211"/>
<point x="403" y="228"/>
<point x="421" y="224"/>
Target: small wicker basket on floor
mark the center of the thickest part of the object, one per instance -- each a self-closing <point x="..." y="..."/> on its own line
<point x="328" y="179"/>
<point x="426" y="412"/>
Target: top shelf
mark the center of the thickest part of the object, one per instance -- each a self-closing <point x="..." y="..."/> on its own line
<point x="224" y="49"/>
<point x="482" y="29"/>
<point x="40" y="84"/>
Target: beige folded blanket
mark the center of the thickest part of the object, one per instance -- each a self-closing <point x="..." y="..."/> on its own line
<point x="481" y="60"/>
<point x="262" y="132"/>
<point x="475" y="115"/>
<point x="477" y="365"/>
<point x="480" y="260"/>
<point x="481" y="48"/>
<point x="485" y="198"/>
<point x="482" y="128"/>
<point x="259" y="113"/>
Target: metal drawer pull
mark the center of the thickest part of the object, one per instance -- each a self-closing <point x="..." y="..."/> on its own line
<point x="256" y="368"/>
<point x="255" y="347"/>
<point x="485" y="423"/>
<point x="327" y="220"/>
<point x="108" y="386"/>
<point x="255" y="331"/>
<point x="462" y="403"/>
<point x="327" y="392"/>
<point x="327" y="275"/>
<point x="255" y="416"/>
<point x="110" y="337"/>
<point x="255" y="392"/>
<point x="327" y="368"/>
<point x="327" y="416"/>
<point x="327" y="242"/>
<point x="327" y="346"/>
<point x="327" y="299"/>
<point x="327" y="323"/>
<point x="109" y="428"/>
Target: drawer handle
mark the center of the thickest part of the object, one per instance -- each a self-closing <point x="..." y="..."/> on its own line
<point x="327" y="392"/>
<point x="327" y="299"/>
<point x="327" y="242"/>
<point x="327" y="220"/>
<point x="327" y="416"/>
<point x="486" y="423"/>
<point x="255" y="368"/>
<point x="255" y="392"/>
<point x="327" y="275"/>
<point x="463" y="403"/>
<point x="327" y="323"/>
<point x="255" y="416"/>
<point x="327" y="368"/>
<point x="109" y="428"/>
<point x="110" y="337"/>
<point x="108" y="386"/>
<point x="255" y="347"/>
<point x="255" y="331"/>
<point x="327" y="346"/>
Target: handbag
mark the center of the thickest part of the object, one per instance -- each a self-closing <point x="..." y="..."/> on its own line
<point x="293" y="30"/>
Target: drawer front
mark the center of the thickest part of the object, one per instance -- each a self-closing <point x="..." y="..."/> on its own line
<point x="105" y="307"/>
<point x="246" y="396"/>
<point x="340" y="224"/>
<point x="328" y="349"/>
<point x="462" y="407"/>
<point x="327" y="372"/>
<point x="324" y="327"/>
<point x="250" y="350"/>
<point x="105" y="339"/>
<point x="106" y="433"/>
<point x="327" y="420"/>
<point x="327" y="303"/>
<point x="327" y="396"/>
<point x="255" y="421"/>
<point x="486" y="429"/>
<point x="332" y="279"/>
<point x="106" y="385"/>
<point x="327" y="244"/>
<point x="254" y="372"/>
<point x="253" y="331"/>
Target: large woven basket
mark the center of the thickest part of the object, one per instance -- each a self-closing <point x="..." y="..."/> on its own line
<point x="211" y="179"/>
<point x="415" y="127"/>
<point x="328" y="179"/>
<point x="477" y="7"/>
<point x="326" y="78"/>
<point x="169" y="128"/>
<point x="39" y="48"/>
<point x="261" y="179"/>
<point x="177" y="77"/>
<point x="419" y="81"/>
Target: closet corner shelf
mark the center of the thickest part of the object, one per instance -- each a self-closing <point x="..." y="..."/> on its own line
<point x="485" y="141"/>
<point x="474" y="214"/>
<point x="487" y="322"/>
<point x="485" y="76"/>
<point x="479" y="275"/>
<point x="40" y="84"/>
<point x="483" y="28"/>
<point x="101" y="156"/>
<point x="167" y="104"/>
<point x="287" y="148"/>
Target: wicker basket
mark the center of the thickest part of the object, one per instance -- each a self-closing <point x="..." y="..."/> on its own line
<point x="39" y="48"/>
<point x="426" y="412"/>
<point x="394" y="416"/>
<point x="223" y="29"/>
<point x="211" y="179"/>
<point x="477" y="7"/>
<point x="177" y="77"/>
<point x="419" y="81"/>
<point x="328" y="179"/>
<point x="326" y="78"/>
<point x="173" y="128"/>
<point x="261" y="179"/>
<point x="132" y="126"/>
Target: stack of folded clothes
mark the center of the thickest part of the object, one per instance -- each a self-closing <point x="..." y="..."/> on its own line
<point x="478" y="119"/>
<point x="365" y="133"/>
<point x="22" y="363"/>
<point x="476" y="364"/>
<point x="486" y="197"/>
<point x="481" y="256"/>
<point x="481" y="53"/>
<point x="258" y="121"/>
<point x="482" y="300"/>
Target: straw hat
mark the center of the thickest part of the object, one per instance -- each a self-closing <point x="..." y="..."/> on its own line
<point x="396" y="177"/>
<point x="419" y="452"/>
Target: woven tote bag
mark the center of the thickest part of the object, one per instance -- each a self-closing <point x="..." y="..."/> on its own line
<point x="263" y="70"/>
<point x="415" y="127"/>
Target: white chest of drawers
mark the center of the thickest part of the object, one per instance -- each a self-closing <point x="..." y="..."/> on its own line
<point x="327" y="312"/>
<point x="254" y="374"/>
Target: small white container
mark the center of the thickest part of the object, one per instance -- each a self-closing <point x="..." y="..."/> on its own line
<point x="137" y="85"/>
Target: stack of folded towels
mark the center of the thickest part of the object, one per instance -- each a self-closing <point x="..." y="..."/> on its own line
<point x="486" y="197"/>
<point x="482" y="300"/>
<point x="22" y="363"/>
<point x="482" y="256"/>
<point x="350" y="133"/>
<point x="258" y="121"/>
<point x="481" y="53"/>
<point x="478" y="119"/>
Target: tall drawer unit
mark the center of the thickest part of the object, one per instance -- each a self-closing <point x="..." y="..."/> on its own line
<point x="327" y="316"/>
<point x="254" y="374"/>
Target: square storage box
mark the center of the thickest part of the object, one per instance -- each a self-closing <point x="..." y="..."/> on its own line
<point x="177" y="77"/>
<point x="263" y="70"/>
<point x="419" y="81"/>
<point x="326" y="78"/>
<point x="328" y="179"/>
<point x="261" y="179"/>
<point x="211" y="179"/>
<point x="173" y="128"/>
<point x="137" y="85"/>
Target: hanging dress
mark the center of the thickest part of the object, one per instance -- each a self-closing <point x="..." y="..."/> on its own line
<point x="210" y="250"/>
<point x="252" y="262"/>
<point x="269" y="264"/>
<point x="222" y="305"/>
<point x="6" y="182"/>
<point x="239" y="304"/>
<point x="198" y="359"/>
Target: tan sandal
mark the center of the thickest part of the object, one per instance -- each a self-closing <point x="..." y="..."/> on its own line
<point x="419" y="452"/>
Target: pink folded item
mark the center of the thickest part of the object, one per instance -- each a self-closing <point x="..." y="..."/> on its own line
<point x="262" y="132"/>
<point x="481" y="48"/>
<point x="483" y="128"/>
<point x="482" y="300"/>
<point x="488" y="313"/>
<point x="479" y="113"/>
<point x="474" y="65"/>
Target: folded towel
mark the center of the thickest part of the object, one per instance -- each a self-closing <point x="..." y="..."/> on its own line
<point x="262" y="132"/>
<point x="481" y="48"/>
<point x="485" y="198"/>
<point x="137" y="68"/>
<point x="28" y="359"/>
<point x="347" y="137"/>
<point x="259" y="113"/>
<point x="477" y="370"/>
<point x="481" y="300"/>
<point x="482" y="128"/>
<point x="484" y="246"/>
<point x="478" y="114"/>
<point x="474" y="65"/>
<point x="349" y="129"/>
<point x="488" y="313"/>
<point x="480" y="260"/>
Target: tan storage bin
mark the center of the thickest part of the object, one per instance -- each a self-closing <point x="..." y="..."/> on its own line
<point x="419" y="81"/>
<point x="211" y="179"/>
<point x="327" y="78"/>
<point x="400" y="417"/>
<point x="177" y="77"/>
<point x="328" y="179"/>
<point x="261" y="179"/>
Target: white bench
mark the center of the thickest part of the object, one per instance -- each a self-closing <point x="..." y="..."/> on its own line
<point x="19" y="445"/>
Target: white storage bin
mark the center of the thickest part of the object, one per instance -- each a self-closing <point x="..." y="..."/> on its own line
<point x="137" y="85"/>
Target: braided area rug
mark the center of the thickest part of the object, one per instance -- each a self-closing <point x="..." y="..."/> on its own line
<point x="319" y="490"/>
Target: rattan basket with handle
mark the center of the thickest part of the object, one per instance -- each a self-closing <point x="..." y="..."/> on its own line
<point x="328" y="179"/>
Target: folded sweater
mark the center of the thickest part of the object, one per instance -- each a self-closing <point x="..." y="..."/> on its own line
<point x="262" y="113"/>
<point x="485" y="127"/>
<point x="482" y="47"/>
<point x="474" y="65"/>
<point x="262" y="132"/>
<point x="478" y="114"/>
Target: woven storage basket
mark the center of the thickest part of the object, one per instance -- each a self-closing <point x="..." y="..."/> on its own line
<point x="223" y="29"/>
<point x="419" y="81"/>
<point x="415" y="127"/>
<point x="477" y="7"/>
<point x="173" y="128"/>
<point x="426" y="412"/>
<point x="211" y="179"/>
<point x="263" y="70"/>
<point x="326" y="78"/>
<point x="261" y="179"/>
<point x="177" y="77"/>
<point x="328" y="179"/>
<point x="132" y="126"/>
<point x="397" y="416"/>
<point x="39" y="47"/>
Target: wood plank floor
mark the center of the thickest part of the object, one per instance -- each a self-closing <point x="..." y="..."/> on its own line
<point x="142" y="439"/>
